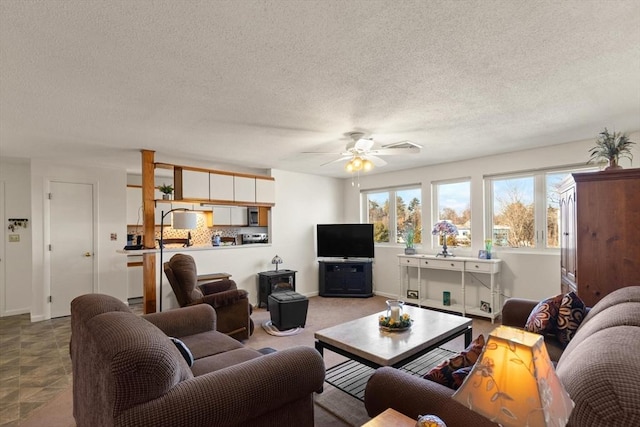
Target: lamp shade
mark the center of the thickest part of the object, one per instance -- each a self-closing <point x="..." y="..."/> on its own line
<point x="184" y="220"/>
<point x="514" y="383"/>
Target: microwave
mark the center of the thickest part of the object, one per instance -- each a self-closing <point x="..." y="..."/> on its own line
<point x="252" y="213"/>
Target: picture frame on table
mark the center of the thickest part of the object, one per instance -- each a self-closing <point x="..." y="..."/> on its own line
<point x="482" y="254"/>
<point x="411" y="294"/>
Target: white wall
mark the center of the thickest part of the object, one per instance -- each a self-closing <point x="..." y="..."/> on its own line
<point x="16" y="295"/>
<point x="302" y="201"/>
<point x="529" y="275"/>
<point x="111" y="216"/>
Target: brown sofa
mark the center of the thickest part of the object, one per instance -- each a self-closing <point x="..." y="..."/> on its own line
<point x="127" y="372"/>
<point x="600" y="369"/>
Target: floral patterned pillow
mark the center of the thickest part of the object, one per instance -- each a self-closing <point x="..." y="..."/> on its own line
<point x="570" y="314"/>
<point x="444" y="372"/>
<point x="543" y="317"/>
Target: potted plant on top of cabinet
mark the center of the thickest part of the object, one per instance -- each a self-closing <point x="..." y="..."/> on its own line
<point x="611" y="147"/>
<point x="166" y="190"/>
<point x="409" y="239"/>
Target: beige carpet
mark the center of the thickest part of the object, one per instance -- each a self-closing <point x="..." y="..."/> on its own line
<point x="333" y="407"/>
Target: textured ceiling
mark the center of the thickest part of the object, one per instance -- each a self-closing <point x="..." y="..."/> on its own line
<point x="257" y="83"/>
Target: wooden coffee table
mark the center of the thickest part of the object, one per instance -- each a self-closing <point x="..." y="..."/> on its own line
<point x="363" y="341"/>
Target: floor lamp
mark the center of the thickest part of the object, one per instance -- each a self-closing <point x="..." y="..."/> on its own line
<point x="183" y="219"/>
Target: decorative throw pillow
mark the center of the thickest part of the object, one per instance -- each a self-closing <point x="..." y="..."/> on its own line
<point x="542" y="319"/>
<point x="184" y="350"/>
<point x="444" y="372"/>
<point x="572" y="311"/>
<point x="460" y="375"/>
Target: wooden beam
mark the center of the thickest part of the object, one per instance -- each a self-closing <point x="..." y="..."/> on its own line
<point x="149" y="241"/>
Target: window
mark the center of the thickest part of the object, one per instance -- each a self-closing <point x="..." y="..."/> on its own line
<point x="453" y="203"/>
<point x="400" y="207"/>
<point x="525" y="209"/>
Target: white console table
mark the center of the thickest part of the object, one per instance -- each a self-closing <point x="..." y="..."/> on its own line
<point x="461" y="264"/>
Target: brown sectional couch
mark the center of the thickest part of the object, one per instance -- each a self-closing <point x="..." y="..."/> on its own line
<point x="126" y="371"/>
<point x="600" y="369"/>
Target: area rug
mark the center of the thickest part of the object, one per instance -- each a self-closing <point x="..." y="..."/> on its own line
<point x="272" y="330"/>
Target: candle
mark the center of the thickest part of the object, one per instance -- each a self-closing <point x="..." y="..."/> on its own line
<point x="395" y="313"/>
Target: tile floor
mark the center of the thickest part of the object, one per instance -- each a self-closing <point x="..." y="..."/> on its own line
<point x="34" y="364"/>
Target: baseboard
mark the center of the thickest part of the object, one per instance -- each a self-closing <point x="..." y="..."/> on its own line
<point x="15" y="312"/>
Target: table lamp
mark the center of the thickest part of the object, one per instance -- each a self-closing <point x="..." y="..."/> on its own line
<point x="276" y="260"/>
<point x="514" y="383"/>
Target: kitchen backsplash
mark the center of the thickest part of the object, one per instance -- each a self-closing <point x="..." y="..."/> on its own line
<point x="199" y="236"/>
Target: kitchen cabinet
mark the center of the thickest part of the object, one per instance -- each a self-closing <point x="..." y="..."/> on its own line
<point x="265" y="190"/>
<point x="134" y="277"/>
<point x="263" y="216"/>
<point x="239" y="216"/>
<point x="600" y="251"/>
<point x="244" y="189"/>
<point x="230" y="215"/>
<point x="221" y="215"/>
<point x="220" y="187"/>
<point x="195" y="184"/>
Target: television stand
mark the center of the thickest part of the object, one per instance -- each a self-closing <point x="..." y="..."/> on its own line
<point x="345" y="278"/>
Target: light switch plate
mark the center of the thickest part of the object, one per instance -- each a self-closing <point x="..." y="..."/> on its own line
<point x="14" y="238"/>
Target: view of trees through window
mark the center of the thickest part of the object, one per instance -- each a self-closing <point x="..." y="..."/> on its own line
<point x="454" y="205"/>
<point x="402" y="207"/>
<point x="526" y="210"/>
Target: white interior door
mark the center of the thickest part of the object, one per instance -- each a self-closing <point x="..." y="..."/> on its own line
<point x="72" y="251"/>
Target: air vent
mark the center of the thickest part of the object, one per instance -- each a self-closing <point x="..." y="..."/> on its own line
<point x="402" y="144"/>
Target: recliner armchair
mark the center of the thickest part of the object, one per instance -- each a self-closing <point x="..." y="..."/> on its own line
<point x="231" y="304"/>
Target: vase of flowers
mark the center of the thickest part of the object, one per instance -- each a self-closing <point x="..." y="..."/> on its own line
<point x="611" y="147"/>
<point x="443" y="229"/>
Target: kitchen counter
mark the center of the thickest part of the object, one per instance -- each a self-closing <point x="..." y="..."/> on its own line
<point x="170" y="249"/>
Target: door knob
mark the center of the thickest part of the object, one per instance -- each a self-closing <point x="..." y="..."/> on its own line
<point x="87" y="254"/>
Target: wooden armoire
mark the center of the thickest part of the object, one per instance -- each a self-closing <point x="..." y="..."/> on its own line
<point x="600" y="233"/>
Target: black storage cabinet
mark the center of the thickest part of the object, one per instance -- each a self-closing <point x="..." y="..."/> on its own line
<point x="268" y="281"/>
<point x="345" y="278"/>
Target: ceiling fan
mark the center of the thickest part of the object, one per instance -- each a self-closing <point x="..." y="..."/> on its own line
<point x="362" y="155"/>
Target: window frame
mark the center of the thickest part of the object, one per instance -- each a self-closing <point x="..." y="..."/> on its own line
<point x="540" y="204"/>
<point x="392" y="192"/>
<point x="435" y="209"/>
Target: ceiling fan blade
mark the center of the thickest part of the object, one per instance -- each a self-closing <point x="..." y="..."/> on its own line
<point x="339" y="159"/>
<point x="376" y="160"/>
<point x="395" y="151"/>
<point x="363" y="145"/>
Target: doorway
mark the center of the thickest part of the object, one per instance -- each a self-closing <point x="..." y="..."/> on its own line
<point x="71" y="249"/>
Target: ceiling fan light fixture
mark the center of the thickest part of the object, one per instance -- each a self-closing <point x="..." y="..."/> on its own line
<point x="348" y="167"/>
<point x="357" y="163"/>
<point x="367" y="165"/>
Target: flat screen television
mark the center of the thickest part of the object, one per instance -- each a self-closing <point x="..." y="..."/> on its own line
<point x="345" y="240"/>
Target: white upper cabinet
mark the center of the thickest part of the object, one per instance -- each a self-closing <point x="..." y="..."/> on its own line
<point x="239" y="216"/>
<point x="221" y="215"/>
<point x="195" y="185"/>
<point x="220" y="187"/>
<point x="265" y="191"/>
<point x="244" y="189"/>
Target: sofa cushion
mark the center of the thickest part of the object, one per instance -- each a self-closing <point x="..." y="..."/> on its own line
<point x="444" y="372"/>
<point x="223" y="360"/>
<point x="570" y="316"/>
<point x="209" y="343"/>
<point x="543" y="317"/>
